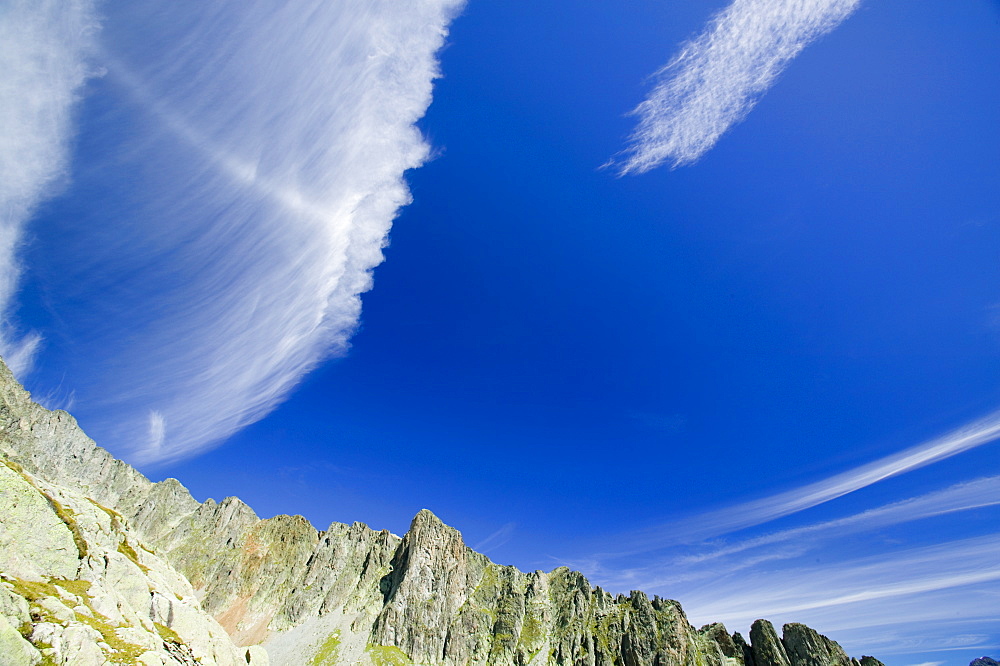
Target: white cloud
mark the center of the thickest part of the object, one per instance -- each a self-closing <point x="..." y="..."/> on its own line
<point x="756" y="512"/>
<point x="918" y="600"/>
<point x="717" y="78"/>
<point x="859" y="578"/>
<point x="496" y="539"/>
<point x="265" y="147"/>
<point x="959" y="497"/>
<point x="43" y="65"/>
<point x="718" y="560"/>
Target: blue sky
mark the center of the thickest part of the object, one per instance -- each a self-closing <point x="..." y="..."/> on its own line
<point x="759" y="377"/>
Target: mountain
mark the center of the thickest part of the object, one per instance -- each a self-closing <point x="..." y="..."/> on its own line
<point x="984" y="661"/>
<point x="100" y="565"/>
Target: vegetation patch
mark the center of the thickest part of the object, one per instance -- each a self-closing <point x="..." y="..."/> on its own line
<point x="121" y="652"/>
<point x="14" y="466"/>
<point x="128" y="551"/>
<point x="32" y="590"/>
<point x="532" y="632"/>
<point x="69" y="518"/>
<point x="326" y="655"/>
<point x="167" y="634"/>
<point x="47" y="657"/>
<point x="388" y="655"/>
<point x="116" y="518"/>
<point x="80" y="588"/>
<point x="65" y="515"/>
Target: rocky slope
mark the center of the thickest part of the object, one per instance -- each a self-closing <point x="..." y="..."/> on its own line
<point x="101" y="565"/>
<point x="79" y="588"/>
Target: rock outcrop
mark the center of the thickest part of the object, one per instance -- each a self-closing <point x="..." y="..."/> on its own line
<point x="984" y="661"/>
<point x="102" y="565"/>
<point x="78" y="588"/>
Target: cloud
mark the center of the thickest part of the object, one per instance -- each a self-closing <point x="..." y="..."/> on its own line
<point x="908" y="591"/>
<point x="44" y="48"/>
<point x="756" y="512"/>
<point x="878" y="588"/>
<point x="718" y="560"/>
<point x="717" y="78"/>
<point x="496" y="539"/>
<point x="965" y="496"/>
<point x="243" y="171"/>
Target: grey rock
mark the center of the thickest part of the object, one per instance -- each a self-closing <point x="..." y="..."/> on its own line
<point x="14" y="649"/>
<point x="768" y="649"/>
<point x="807" y="647"/>
<point x="727" y="647"/>
<point x="744" y="649"/>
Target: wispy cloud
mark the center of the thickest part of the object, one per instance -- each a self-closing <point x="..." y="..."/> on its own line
<point x="953" y="581"/>
<point x="756" y="512"/>
<point x="719" y="559"/>
<point x="496" y="539"/>
<point x="875" y="584"/>
<point x="44" y="46"/>
<point x="264" y="151"/>
<point x="965" y="496"/>
<point x="717" y="77"/>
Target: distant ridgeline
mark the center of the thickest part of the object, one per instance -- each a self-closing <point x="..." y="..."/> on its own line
<point x="100" y="565"/>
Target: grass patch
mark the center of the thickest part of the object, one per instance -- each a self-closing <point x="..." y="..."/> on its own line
<point x="128" y="551"/>
<point x="14" y="466"/>
<point x="326" y="655"/>
<point x="122" y="652"/>
<point x="116" y="518"/>
<point x="388" y="655"/>
<point x="65" y="515"/>
<point x="80" y="588"/>
<point x="167" y="634"/>
<point x="69" y="518"/>
<point x="33" y="590"/>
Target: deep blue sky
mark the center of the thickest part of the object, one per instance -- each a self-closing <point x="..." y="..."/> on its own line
<point x="561" y="357"/>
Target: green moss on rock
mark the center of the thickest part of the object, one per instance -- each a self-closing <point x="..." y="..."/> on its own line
<point x="388" y="655"/>
<point x="326" y="654"/>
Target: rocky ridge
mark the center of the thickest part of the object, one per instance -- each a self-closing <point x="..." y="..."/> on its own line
<point x="151" y="560"/>
<point x="984" y="661"/>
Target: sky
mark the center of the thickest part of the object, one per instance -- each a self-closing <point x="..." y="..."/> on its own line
<point x="699" y="298"/>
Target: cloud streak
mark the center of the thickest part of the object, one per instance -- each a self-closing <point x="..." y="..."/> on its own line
<point x="757" y="512"/>
<point x="976" y="494"/>
<point x="496" y="539"/>
<point x="716" y="561"/>
<point x="44" y="48"/>
<point x="883" y="589"/>
<point x="246" y="163"/>
<point x="914" y="588"/>
<point x="717" y="77"/>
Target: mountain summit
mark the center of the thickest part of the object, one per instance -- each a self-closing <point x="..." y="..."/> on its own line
<point x="100" y="566"/>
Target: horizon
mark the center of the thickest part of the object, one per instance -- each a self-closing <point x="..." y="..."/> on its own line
<point x="700" y="299"/>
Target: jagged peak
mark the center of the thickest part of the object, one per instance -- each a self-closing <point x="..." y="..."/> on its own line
<point x="426" y="517"/>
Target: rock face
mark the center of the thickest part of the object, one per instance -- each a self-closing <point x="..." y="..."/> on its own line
<point x="79" y="588"/>
<point x="984" y="661"/>
<point x="101" y="565"/>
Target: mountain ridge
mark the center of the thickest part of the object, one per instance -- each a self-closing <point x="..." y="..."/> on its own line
<point x="348" y="594"/>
